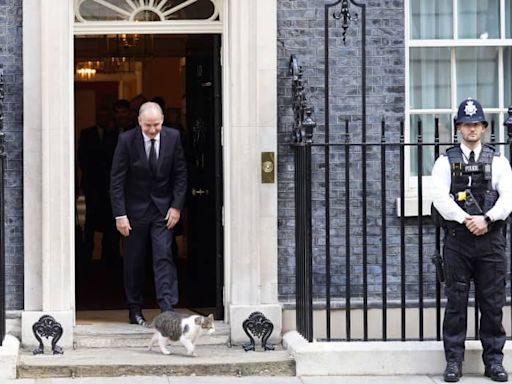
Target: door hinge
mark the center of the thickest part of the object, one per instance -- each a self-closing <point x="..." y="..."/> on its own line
<point x="221" y="135"/>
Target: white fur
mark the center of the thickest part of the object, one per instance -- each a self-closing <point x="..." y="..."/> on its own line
<point x="188" y="339"/>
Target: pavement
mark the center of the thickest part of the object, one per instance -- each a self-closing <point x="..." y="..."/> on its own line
<point x="415" y="379"/>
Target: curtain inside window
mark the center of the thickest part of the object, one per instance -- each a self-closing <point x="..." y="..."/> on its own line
<point x="430" y="78"/>
<point x="428" y="130"/>
<point x="477" y="74"/>
<point x="478" y="19"/>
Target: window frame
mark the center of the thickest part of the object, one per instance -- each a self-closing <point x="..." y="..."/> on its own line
<point x="411" y="181"/>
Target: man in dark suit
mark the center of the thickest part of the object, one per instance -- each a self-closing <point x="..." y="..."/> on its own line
<point x="95" y="150"/>
<point x="148" y="188"/>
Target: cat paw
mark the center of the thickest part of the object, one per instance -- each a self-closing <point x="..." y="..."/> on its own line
<point x="166" y="352"/>
<point x="192" y="353"/>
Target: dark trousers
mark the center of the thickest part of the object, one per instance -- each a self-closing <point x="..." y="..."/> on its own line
<point x="150" y="228"/>
<point x="481" y="258"/>
<point x="98" y="218"/>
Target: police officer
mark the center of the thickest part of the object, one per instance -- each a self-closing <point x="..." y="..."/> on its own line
<point x="473" y="193"/>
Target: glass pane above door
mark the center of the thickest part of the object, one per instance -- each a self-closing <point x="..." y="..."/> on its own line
<point x="146" y="10"/>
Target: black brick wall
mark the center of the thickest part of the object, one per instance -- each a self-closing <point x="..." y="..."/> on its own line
<point x="12" y="64"/>
<point x="301" y="32"/>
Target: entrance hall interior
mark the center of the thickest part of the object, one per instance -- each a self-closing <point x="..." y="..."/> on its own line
<point x="114" y="75"/>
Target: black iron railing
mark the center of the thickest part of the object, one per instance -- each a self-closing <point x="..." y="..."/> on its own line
<point x="357" y="253"/>
<point x="347" y="281"/>
<point x="2" y="220"/>
<point x="302" y="137"/>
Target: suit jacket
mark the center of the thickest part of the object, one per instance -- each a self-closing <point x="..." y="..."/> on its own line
<point x="133" y="187"/>
<point x="95" y="158"/>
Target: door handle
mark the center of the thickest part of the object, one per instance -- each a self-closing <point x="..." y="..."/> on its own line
<point x="199" y="192"/>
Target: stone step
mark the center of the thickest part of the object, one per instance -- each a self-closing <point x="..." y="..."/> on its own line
<point x="211" y="360"/>
<point x="120" y="335"/>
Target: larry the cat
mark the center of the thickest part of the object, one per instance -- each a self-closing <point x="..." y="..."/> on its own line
<point x="186" y="329"/>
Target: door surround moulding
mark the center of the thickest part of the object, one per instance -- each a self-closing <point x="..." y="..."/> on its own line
<point x="249" y="81"/>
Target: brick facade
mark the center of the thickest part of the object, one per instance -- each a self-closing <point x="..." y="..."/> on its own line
<point x="301" y="32"/>
<point x="12" y="64"/>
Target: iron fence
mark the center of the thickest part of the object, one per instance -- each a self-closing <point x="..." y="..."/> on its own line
<point x="363" y="261"/>
<point x="339" y="256"/>
<point x="2" y="217"/>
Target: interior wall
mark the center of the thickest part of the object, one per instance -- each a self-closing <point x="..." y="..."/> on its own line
<point x="169" y="86"/>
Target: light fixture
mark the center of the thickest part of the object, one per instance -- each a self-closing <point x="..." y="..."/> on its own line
<point x="86" y="70"/>
<point x="128" y="41"/>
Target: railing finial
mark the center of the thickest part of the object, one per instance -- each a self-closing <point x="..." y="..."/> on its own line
<point x="344" y="15"/>
<point x="303" y="124"/>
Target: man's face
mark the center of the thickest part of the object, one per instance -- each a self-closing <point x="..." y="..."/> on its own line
<point x="122" y="117"/>
<point x="471" y="132"/>
<point x="103" y="118"/>
<point x="151" y="123"/>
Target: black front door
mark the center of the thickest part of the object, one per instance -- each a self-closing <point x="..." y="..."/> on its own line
<point x="204" y="154"/>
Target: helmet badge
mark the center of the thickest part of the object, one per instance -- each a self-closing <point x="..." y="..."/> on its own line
<point x="470" y="109"/>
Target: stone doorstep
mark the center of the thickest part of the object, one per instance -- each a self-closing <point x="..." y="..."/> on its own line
<point x="211" y="361"/>
<point x="116" y="335"/>
<point x="380" y="358"/>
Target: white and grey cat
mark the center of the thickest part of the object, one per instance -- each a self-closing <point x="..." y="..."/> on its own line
<point x="186" y="329"/>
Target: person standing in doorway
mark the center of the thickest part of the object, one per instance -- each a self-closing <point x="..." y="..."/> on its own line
<point x="473" y="194"/>
<point x="122" y="115"/>
<point x="95" y="150"/>
<point x="148" y="189"/>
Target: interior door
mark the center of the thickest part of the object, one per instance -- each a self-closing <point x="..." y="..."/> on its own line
<point x="204" y="157"/>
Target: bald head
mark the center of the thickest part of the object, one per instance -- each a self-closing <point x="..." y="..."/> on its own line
<point x="152" y="108"/>
<point x="151" y="119"/>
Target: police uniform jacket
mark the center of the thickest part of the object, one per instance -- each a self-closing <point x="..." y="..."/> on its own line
<point x="501" y="182"/>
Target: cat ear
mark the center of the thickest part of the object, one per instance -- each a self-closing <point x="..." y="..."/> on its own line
<point x="210" y="317"/>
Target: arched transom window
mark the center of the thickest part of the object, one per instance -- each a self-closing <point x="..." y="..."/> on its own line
<point x="146" y="10"/>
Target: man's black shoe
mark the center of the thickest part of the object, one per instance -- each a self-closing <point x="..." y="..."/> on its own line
<point x="137" y="318"/>
<point x="496" y="372"/>
<point x="453" y="372"/>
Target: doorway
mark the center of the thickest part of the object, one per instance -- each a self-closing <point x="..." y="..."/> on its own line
<point x="182" y="74"/>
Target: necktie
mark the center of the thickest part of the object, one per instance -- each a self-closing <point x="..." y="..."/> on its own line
<point x="152" y="157"/>
<point x="472" y="157"/>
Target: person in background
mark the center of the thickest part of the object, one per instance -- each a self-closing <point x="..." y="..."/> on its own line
<point x="122" y="115"/>
<point x="95" y="151"/>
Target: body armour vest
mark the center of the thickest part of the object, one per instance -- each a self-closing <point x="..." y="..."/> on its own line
<point x="471" y="184"/>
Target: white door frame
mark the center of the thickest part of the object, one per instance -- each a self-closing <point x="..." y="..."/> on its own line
<point x="249" y="50"/>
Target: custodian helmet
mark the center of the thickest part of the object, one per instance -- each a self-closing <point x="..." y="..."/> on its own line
<point x="470" y="111"/>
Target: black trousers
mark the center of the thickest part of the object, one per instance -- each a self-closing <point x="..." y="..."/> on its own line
<point x="98" y="218"/>
<point x="482" y="259"/>
<point x="150" y="228"/>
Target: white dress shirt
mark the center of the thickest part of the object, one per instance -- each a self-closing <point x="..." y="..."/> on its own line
<point x="501" y="182"/>
<point x="147" y="144"/>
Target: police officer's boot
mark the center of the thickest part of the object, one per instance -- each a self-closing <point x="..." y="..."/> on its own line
<point x="453" y="372"/>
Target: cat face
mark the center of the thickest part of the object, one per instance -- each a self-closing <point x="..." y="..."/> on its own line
<point x="207" y="323"/>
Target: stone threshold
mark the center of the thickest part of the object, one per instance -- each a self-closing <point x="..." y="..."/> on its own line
<point x="123" y="335"/>
<point x="212" y="360"/>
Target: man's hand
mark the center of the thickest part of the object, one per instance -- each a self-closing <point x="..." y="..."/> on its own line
<point x="172" y="217"/>
<point x="476" y="225"/>
<point x="123" y="226"/>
